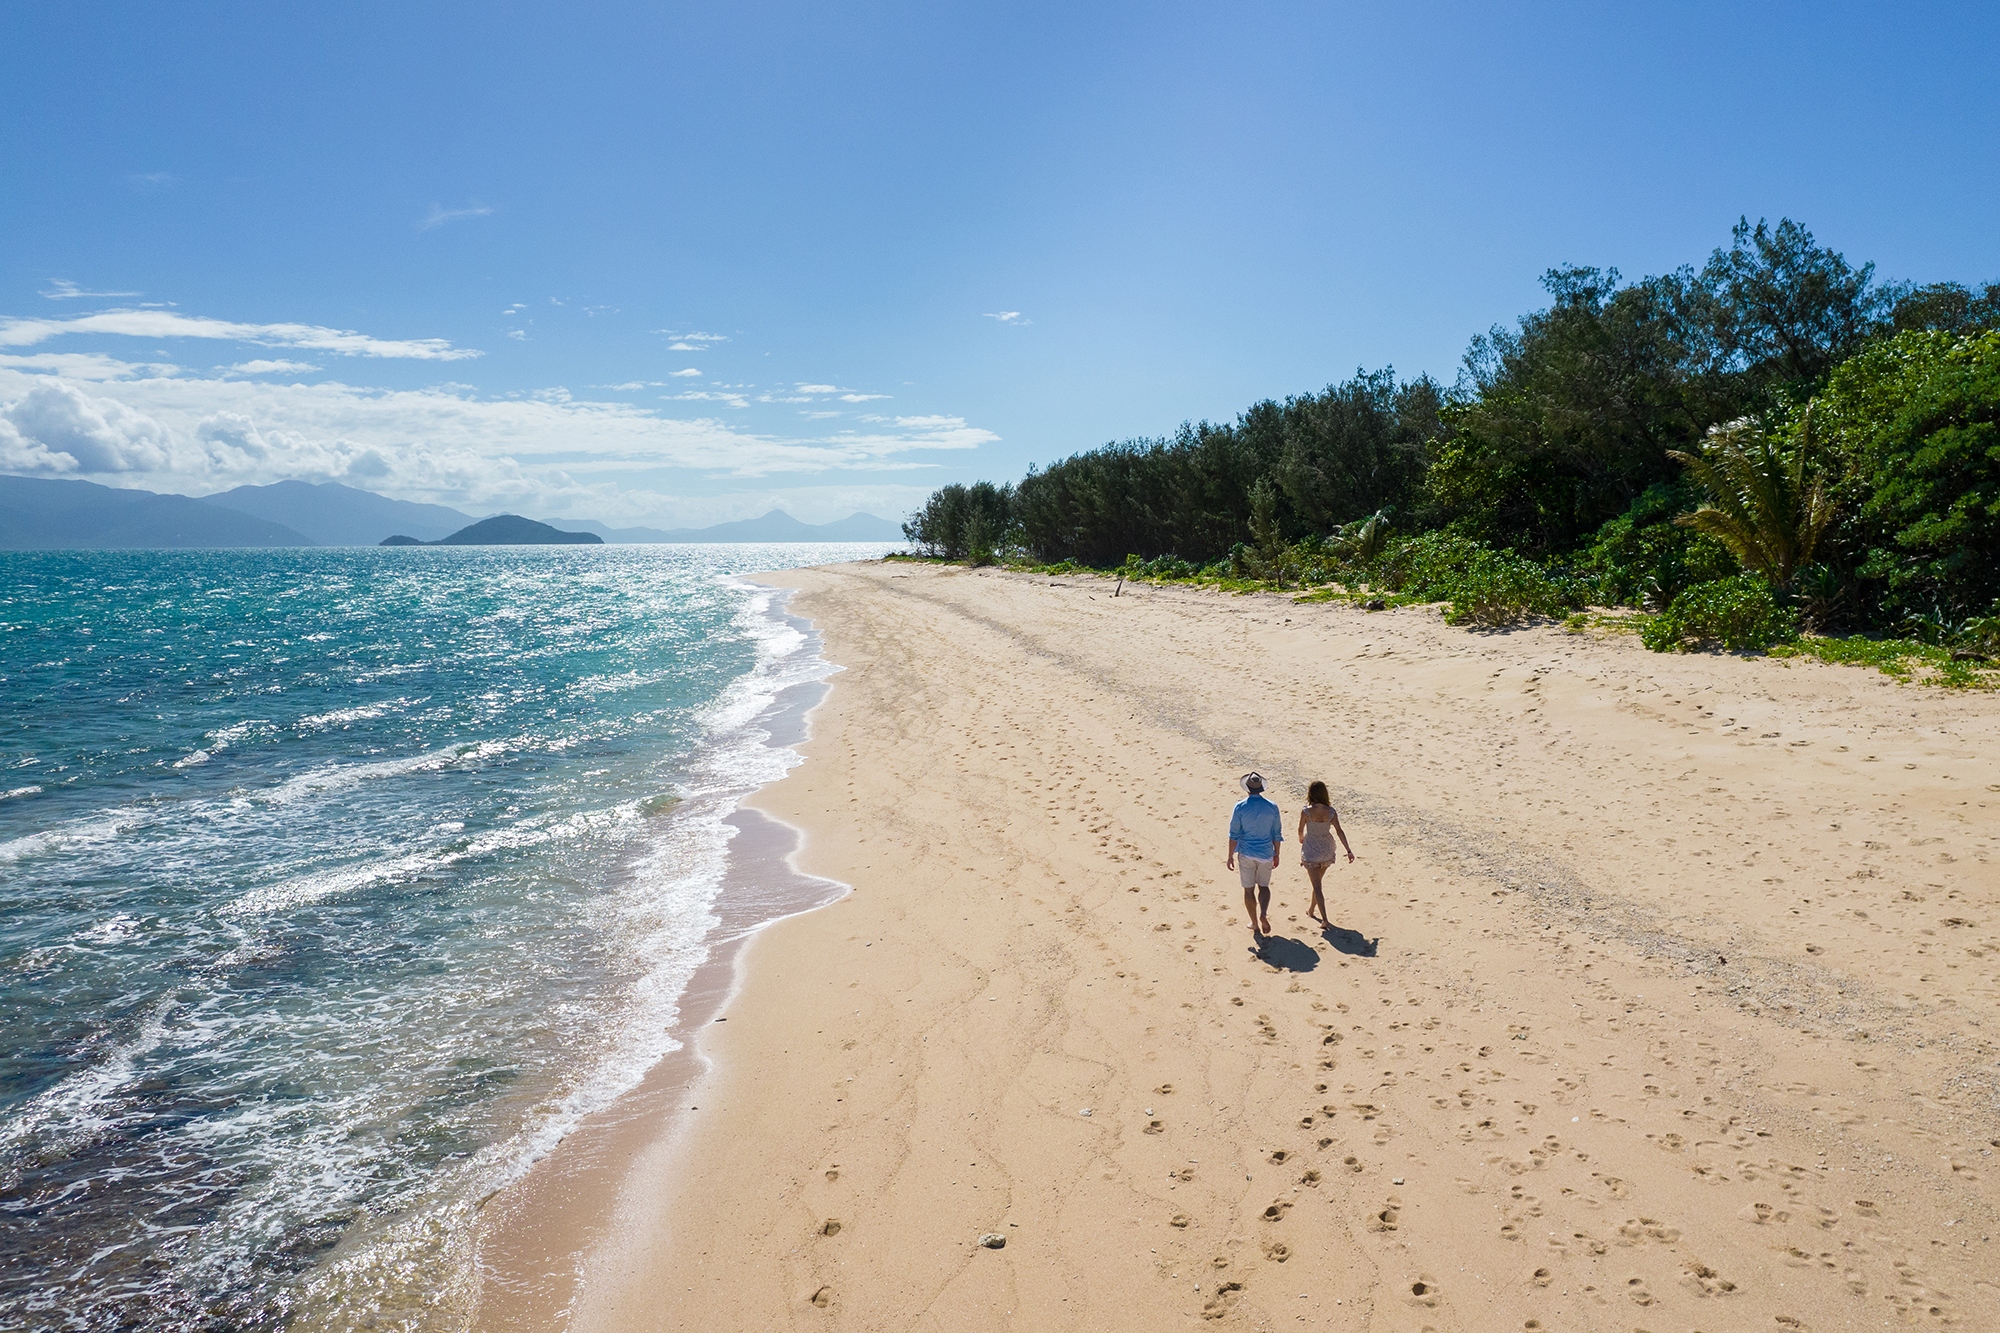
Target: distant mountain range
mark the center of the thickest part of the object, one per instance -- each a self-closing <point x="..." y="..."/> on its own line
<point x="46" y="514"/>
<point x="40" y="515"/>
<point x="329" y="514"/>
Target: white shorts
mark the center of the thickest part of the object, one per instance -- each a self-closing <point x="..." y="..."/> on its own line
<point x="1256" y="874"/>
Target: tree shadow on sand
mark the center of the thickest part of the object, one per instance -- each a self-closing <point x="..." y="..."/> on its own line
<point x="1350" y="942"/>
<point x="1288" y="955"/>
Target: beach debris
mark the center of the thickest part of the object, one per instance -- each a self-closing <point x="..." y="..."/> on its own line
<point x="993" y="1240"/>
<point x="1084" y="1111"/>
<point x="823" y="1297"/>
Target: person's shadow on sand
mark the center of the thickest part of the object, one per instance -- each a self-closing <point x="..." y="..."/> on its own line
<point x="1288" y="954"/>
<point x="1350" y="942"/>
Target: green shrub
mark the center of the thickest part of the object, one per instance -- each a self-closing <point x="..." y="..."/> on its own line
<point x="1644" y="558"/>
<point x="1483" y="586"/>
<point x="1160" y="567"/>
<point x="1741" y="613"/>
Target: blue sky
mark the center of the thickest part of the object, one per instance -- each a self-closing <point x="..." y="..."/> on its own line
<point x="681" y="263"/>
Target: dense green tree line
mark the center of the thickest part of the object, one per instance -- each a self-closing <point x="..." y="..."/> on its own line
<point x="1639" y="439"/>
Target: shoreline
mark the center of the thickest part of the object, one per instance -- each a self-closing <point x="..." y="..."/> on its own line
<point x="1641" y="953"/>
<point x="532" y="1233"/>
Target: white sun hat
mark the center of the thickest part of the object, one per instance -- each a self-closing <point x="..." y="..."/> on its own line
<point x="1252" y="782"/>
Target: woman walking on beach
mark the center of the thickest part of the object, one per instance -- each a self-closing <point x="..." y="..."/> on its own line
<point x="1319" y="825"/>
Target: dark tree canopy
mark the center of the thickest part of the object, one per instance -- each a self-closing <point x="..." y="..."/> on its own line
<point x="1323" y="459"/>
<point x="1559" y="440"/>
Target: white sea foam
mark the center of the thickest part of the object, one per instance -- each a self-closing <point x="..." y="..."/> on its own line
<point x="218" y="740"/>
<point x="345" y="717"/>
<point x="81" y="1104"/>
<point x="19" y="792"/>
<point x="72" y="835"/>
<point x="305" y="890"/>
<point x="340" y="777"/>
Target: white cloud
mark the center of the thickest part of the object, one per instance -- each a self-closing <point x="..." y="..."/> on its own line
<point x="816" y="393"/>
<point x="272" y="367"/>
<point x="518" y="334"/>
<point x="1014" y="317"/>
<point x="57" y="427"/>
<point x="62" y="289"/>
<point x="548" y="453"/>
<point x="89" y="365"/>
<point x="683" y="374"/>
<point x="439" y="215"/>
<point x="18" y="332"/>
<point x="687" y="342"/>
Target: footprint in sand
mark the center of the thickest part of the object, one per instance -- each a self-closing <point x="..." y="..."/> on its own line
<point x="1388" y="1219"/>
<point x="1279" y="1157"/>
<point x="1224" y="1297"/>
<point x="1706" y="1280"/>
<point x="830" y="1227"/>
<point x="1276" y="1212"/>
<point x="1277" y="1251"/>
<point x="822" y="1297"/>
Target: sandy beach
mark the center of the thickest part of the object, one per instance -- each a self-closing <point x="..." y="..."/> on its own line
<point x="1662" y="995"/>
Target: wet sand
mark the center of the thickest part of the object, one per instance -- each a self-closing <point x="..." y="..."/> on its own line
<point x="1660" y="998"/>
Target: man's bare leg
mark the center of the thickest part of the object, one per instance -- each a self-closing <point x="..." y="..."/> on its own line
<point x="1250" y="910"/>
<point x="1264" y="907"/>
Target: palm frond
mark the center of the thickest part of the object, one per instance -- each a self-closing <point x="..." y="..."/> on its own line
<point x="1767" y="501"/>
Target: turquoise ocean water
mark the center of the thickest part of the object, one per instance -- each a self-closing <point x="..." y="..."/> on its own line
<point x="335" y="886"/>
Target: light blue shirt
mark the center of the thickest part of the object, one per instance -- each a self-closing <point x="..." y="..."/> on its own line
<point x="1256" y="827"/>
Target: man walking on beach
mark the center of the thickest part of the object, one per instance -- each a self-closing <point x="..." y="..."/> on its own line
<point x="1255" y="831"/>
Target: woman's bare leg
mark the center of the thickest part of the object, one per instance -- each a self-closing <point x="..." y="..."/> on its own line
<point x="1318" y="909"/>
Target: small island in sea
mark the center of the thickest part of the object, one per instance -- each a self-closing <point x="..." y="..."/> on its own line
<point x="504" y="530"/>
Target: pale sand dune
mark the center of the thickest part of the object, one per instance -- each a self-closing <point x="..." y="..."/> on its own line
<point x="1663" y="1001"/>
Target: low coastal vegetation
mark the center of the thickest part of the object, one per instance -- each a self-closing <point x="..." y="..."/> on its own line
<point x="1772" y="453"/>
